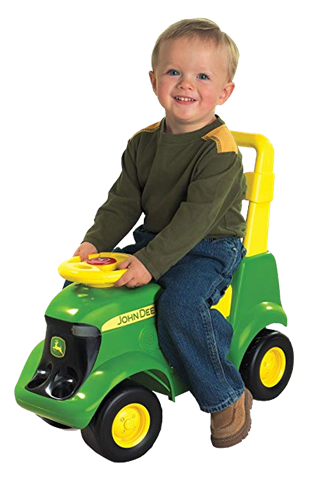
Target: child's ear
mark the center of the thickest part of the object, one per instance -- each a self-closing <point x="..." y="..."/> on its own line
<point x="153" y="80"/>
<point x="226" y="92"/>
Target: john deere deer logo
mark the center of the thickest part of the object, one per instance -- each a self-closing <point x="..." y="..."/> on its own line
<point x="58" y="347"/>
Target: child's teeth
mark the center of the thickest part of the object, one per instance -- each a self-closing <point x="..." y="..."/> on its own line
<point x="183" y="99"/>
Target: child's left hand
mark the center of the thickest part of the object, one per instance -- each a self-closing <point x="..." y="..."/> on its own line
<point x="137" y="274"/>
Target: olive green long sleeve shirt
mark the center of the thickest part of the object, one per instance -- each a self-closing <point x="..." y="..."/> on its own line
<point x="189" y="186"/>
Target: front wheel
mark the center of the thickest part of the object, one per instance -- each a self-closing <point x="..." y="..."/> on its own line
<point x="127" y="423"/>
<point x="267" y="365"/>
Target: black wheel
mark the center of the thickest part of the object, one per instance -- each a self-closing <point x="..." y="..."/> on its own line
<point x="267" y="365"/>
<point x="57" y="425"/>
<point x="127" y="423"/>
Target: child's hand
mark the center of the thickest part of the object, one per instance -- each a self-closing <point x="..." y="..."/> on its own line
<point x="137" y="274"/>
<point x="84" y="250"/>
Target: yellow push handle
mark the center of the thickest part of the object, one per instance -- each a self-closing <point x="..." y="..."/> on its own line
<point x="263" y="147"/>
<point x="94" y="275"/>
<point x="260" y="187"/>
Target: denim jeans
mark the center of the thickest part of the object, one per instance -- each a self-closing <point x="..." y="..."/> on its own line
<point x="194" y="338"/>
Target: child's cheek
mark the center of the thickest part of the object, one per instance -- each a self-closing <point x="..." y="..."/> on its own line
<point x="163" y="93"/>
<point x="210" y="99"/>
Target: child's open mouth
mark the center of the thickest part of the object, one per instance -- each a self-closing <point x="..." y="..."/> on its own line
<point x="184" y="100"/>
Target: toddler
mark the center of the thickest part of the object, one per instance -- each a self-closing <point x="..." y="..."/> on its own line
<point x="185" y="173"/>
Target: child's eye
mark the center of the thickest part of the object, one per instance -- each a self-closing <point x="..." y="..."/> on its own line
<point x="172" y="71"/>
<point x="202" y="76"/>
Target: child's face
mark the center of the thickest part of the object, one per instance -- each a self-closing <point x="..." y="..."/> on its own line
<point x="190" y="68"/>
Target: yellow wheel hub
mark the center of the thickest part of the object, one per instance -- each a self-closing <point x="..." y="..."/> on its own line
<point x="272" y="367"/>
<point x="130" y="425"/>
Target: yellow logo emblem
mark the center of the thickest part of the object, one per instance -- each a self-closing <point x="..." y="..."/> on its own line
<point x="129" y="318"/>
<point x="58" y="347"/>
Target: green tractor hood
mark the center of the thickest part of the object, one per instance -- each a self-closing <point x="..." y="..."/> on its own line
<point x="105" y="308"/>
<point x="95" y="339"/>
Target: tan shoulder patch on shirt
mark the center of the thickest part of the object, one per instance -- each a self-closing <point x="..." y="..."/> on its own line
<point x="150" y="128"/>
<point x="223" y="138"/>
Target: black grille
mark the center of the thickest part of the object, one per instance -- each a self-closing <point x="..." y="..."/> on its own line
<point x="69" y="354"/>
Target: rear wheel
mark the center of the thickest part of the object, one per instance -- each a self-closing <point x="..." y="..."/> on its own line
<point x="267" y="365"/>
<point x="127" y="423"/>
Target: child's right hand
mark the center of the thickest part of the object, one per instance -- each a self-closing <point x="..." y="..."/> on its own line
<point x="84" y="250"/>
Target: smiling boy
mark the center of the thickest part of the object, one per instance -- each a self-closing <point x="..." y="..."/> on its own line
<point x="185" y="173"/>
<point x="190" y="80"/>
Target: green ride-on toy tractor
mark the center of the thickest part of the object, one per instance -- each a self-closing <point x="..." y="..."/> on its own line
<point x="100" y="361"/>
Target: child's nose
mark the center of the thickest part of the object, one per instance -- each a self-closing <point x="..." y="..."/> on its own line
<point x="186" y="83"/>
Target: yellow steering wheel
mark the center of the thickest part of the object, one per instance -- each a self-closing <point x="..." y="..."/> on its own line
<point x="100" y="270"/>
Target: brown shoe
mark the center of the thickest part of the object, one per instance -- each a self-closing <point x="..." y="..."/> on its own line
<point x="232" y="425"/>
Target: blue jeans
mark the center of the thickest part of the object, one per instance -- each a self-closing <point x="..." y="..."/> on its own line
<point x="194" y="338"/>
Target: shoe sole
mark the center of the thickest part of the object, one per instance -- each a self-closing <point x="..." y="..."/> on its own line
<point x="242" y="433"/>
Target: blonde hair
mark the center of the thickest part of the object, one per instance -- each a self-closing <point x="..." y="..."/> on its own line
<point x="206" y="30"/>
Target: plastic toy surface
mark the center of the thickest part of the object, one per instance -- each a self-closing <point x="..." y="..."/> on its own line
<point x="99" y="271"/>
<point x="100" y="361"/>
